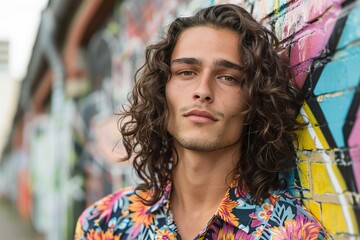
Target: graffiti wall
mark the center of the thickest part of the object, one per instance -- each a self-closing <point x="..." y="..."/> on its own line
<point x="322" y="41"/>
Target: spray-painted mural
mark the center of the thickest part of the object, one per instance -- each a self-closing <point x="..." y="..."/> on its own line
<point x="322" y="41"/>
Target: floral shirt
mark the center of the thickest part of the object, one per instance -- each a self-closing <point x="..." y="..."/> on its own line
<point x="122" y="215"/>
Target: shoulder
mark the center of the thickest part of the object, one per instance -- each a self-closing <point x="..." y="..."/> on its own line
<point x="102" y="217"/>
<point x="287" y="217"/>
<point x="286" y="207"/>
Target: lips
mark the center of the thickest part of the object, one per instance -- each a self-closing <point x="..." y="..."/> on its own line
<point x="201" y="114"/>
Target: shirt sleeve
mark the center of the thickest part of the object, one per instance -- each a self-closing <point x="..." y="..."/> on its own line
<point x="102" y="219"/>
<point x="92" y="224"/>
<point x="85" y="226"/>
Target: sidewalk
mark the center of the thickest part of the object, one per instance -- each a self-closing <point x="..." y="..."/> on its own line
<point x="12" y="226"/>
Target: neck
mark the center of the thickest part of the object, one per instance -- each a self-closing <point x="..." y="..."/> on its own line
<point x="201" y="179"/>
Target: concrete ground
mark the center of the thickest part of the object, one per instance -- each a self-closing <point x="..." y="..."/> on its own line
<point x="12" y="226"/>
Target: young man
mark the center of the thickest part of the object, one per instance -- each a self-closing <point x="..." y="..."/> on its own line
<point x="211" y="130"/>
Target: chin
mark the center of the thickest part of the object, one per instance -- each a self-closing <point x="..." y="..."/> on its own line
<point x="198" y="144"/>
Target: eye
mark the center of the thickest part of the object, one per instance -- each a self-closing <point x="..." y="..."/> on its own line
<point x="185" y="73"/>
<point x="229" y="79"/>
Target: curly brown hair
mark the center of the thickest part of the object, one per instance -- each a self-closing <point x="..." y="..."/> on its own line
<point x="270" y="120"/>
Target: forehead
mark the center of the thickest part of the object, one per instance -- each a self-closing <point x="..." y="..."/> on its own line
<point x="208" y="42"/>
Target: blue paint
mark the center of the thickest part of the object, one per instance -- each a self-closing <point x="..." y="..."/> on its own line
<point x="351" y="31"/>
<point x="342" y="73"/>
<point x="335" y="109"/>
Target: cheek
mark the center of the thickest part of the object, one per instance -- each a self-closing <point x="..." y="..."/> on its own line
<point x="175" y="95"/>
<point x="236" y="118"/>
<point x="171" y="90"/>
<point x="170" y="97"/>
<point x="235" y="108"/>
<point x="236" y="125"/>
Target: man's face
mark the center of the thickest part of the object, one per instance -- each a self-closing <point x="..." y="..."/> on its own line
<point x="204" y="96"/>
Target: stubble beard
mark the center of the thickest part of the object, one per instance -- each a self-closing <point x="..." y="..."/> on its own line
<point x="200" y="145"/>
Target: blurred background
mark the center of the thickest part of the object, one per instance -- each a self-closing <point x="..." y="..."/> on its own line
<point x="66" y="68"/>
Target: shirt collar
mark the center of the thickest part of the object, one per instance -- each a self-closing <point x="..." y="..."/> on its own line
<point x="164" y="201"/>
<point x="235" y="200"/>
<point x="238" y="207"/>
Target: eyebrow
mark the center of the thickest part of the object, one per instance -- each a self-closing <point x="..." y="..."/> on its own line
<point x="228" y="64"/>
<point x="192" y="61"/>
<point x="218" y="63"/>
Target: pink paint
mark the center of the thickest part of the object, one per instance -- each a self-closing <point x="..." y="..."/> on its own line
<point x="311" y="43"/>
<point x="309" y="47"/>
<point x="305" y="28"/>
<point x="302" y="14"/>
<point x="354" y="145"/>
<point x="300" y="77"/>
<point x="309" y="39"/>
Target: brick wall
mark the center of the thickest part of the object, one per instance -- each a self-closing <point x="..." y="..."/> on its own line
<point x="322" y="40"/>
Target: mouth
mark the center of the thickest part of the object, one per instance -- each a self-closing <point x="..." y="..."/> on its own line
<point x="200" y="116"/>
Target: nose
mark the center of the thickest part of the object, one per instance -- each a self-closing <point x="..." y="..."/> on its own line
<point x="203" y="91"/>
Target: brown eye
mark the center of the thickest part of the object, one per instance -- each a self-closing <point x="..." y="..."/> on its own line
<point x="186" y="73"/>
<point x="229" y="80"/>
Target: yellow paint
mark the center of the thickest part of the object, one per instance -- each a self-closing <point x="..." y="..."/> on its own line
<point x="320" y="179"/>
<point x="332" y="215"/>
<point x="333" y="218"/>
<point x="339" y="177"/>
<point x="305" y="141"/>
<point x="277" y="6"/>
<point x="307" y="194"/>
<point x="310" y="115"/>
<point x="304" y="174"/>
<point x="321" y="137"/>
<point x="305" y="203"/>
<point x="302" y="157"/>
<point x="315" y="209"/>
